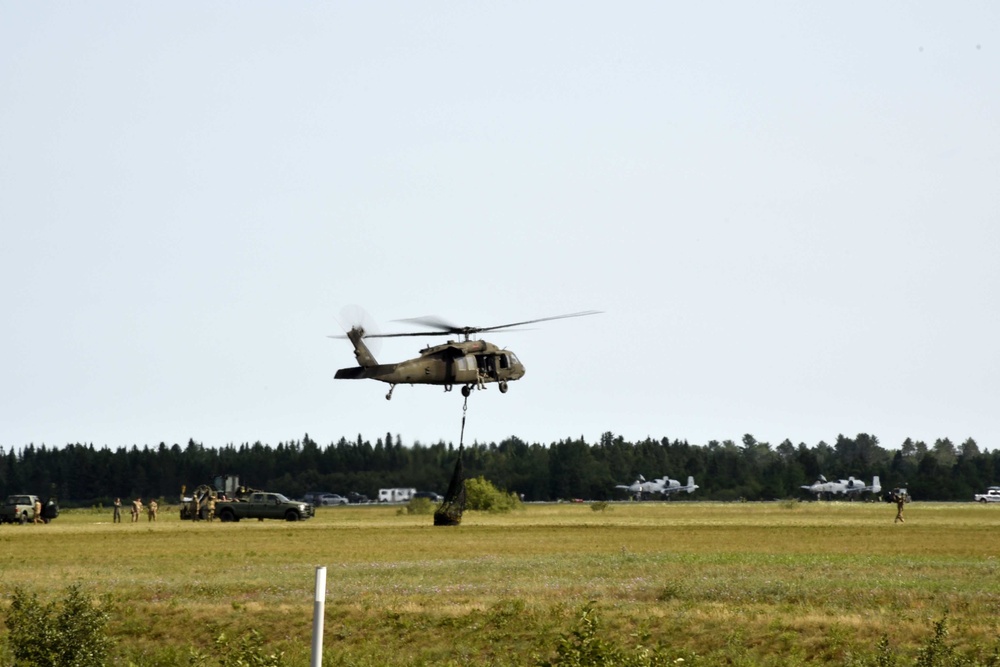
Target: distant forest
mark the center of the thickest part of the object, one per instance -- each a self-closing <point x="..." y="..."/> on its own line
<point x="79" y="474"/>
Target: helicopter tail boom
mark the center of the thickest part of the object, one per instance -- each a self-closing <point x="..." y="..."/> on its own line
<point x="365" y="372"/>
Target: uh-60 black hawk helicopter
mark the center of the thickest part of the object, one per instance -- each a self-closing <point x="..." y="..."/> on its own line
<point x="467" y="362"/>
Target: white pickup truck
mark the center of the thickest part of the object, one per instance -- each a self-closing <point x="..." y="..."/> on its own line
<point x="992" y="495"/>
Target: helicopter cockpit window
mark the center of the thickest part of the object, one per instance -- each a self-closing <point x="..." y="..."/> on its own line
<point x="513" y="358"/>
<point x="504" y="361"/>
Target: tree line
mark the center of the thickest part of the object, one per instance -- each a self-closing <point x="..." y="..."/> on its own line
<point x="81" y="474"/>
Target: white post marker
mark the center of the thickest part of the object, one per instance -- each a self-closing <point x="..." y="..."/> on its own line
<point x="318" y="612"/>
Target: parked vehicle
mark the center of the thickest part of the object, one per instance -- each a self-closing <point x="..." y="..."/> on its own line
<point x="331" y="499"/>
<point x="992" y="495"/>
<point x="430" y="495"/>
<point x="263" y="505"/>
<point x="399" y="495"/>
<point x="20" y="508"/>
<point x="356" y="498"/>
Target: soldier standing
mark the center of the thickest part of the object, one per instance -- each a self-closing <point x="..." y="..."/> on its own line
<point x="900" y="501"/>
<point x="38" y="511"/>
<point x="194" y="506"/>
<point x="152" y="510"/>
<point x="211" y="508"/>
<point x="136" y="509"/>
<point x="118" y="511"/>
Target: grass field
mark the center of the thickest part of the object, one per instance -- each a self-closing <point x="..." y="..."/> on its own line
<point x="740" y="583"/>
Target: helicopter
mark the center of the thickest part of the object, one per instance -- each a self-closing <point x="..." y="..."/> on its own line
<point x="468" y="362"/>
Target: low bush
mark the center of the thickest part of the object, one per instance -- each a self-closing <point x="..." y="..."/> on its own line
<point x="56" y="635"/>
<point x="481" y="495"/>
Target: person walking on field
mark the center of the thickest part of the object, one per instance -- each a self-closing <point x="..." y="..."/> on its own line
<point x="118" y="511"/>
<point x="152" y="510"/>
<point x="901" y="500"/>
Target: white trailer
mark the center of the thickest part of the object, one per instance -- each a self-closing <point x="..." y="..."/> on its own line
<point x="395" y="495"/>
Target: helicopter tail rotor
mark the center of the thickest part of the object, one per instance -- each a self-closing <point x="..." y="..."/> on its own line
<point x="358" y="324"/>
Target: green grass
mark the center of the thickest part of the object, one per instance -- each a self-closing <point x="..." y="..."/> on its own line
<point x="739" y="583"/>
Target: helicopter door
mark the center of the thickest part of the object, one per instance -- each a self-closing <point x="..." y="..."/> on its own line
<point x="464" y="369"/>
<point x="487" y="364"/>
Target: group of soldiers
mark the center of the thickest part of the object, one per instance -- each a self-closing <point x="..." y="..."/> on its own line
<point x="206" y="503"/>
<point x="151" y="510"/>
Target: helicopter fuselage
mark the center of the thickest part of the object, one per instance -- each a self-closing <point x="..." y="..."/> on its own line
<point x="471" y="363"/>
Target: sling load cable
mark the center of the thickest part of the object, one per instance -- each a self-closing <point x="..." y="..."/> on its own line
<point x="461" y="437"/>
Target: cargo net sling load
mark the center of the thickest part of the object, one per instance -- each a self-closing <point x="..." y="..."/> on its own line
<point x="450" y="511"/>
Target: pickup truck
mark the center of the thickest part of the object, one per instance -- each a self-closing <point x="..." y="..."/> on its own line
<point x="263" y="505"/>
<point x="992" y="495"/>
<point x="20" y="508"/>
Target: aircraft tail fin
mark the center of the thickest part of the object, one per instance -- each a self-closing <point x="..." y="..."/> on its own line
<point x="361" y="352"/>
<point x="691" y="486"/>
<point x="876" y="485"/>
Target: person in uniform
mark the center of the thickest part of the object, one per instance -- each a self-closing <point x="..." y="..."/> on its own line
<point x="38" y="511"/>
<point x="136" y="509"/>
<point x="118" y="511"/>
<point x="152" y="510"/>
<point x="194" y="506"/>
<point x="900" y="502"/>
<point x="211" y="508"/>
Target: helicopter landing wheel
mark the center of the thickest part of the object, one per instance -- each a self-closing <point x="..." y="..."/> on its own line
<point x="503" y="386"/>
<point x="388" y="396"/>
<point x="466" y="390"/>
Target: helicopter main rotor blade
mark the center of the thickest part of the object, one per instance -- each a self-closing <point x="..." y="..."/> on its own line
<point x="399" y="335"/>
<point x="433" y="322"/>
<point x="540" y="319"/>
<point x="446" y="328"/>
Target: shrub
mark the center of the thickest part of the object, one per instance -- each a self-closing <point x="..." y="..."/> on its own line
<point x="247" y="651"/>
<point x="583" y="647"/>
<point x="52" y="635"/>
<point x="418" y="506"/>
<point x="481" y="495"/>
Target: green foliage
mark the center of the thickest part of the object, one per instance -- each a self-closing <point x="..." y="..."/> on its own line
<point x="418" y="506"/>
<point x="936" y="651"/>
<point x="83" y="476"/>
<point x="73" y="634"/>
<point x="582" y="647"/>
<point x="247" y="651"/>
<point x="481" y="495"/>
<point x="884" y="656"/>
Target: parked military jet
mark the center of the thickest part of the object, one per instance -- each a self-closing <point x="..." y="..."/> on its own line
<point x="663" y="486"/>
<point x="673" y="486"/>
<point x="849" y="487"/>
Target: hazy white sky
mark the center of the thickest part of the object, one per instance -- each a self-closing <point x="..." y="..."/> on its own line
<point x="789" y="212"/>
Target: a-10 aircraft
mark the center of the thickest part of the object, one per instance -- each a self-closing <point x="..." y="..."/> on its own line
<point x="663" y="486"/>
<point x="849" y="487"/>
